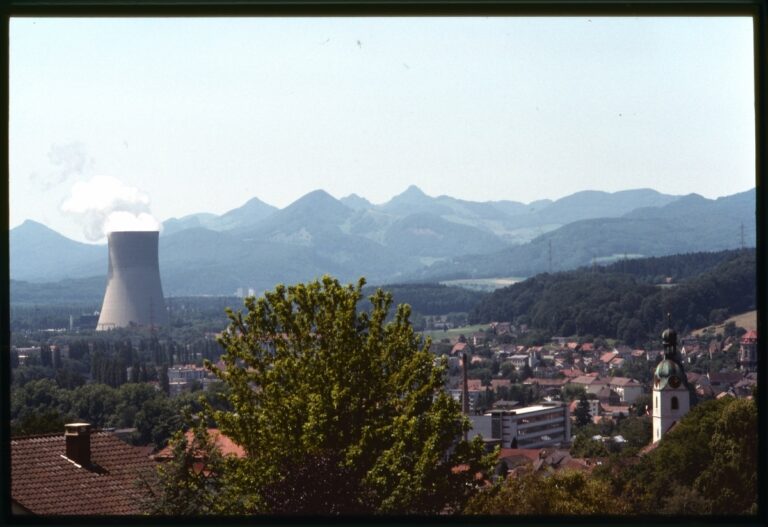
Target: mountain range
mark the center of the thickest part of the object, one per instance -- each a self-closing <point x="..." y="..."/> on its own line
<point x="413" y="237"/>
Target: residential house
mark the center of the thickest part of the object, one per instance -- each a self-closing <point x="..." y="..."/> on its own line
<point x="79" y="472"/>
<point x="498" y="383"/>
<point x="595" y="408"/>
<point x="501" y="328"/>
<point x="478" y="338"/>
<point x="592" y="383"/>
<point x="723" y="381"/>
<point x="459" y="348"/>
<point x="627" y="389"/>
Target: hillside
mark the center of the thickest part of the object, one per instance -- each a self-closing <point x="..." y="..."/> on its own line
<point x="38" y="253"/>
<point x="694" y="224"/>
<point x="612" y="304"/>
<point x="746" y="320"/>
<point x="412" y="238"/>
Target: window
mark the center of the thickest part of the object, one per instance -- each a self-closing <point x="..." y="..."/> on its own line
<point x="674" y="403"/>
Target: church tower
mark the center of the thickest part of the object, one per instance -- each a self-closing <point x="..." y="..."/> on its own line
<point x="671" y="399"/>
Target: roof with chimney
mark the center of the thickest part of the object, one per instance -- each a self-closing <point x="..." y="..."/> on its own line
<point x="45" y="481"/>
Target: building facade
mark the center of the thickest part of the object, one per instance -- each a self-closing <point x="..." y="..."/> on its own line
<point x="534" y="426"/>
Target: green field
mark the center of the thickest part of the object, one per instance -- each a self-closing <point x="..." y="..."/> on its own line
<point x="483" y="284"/>
<point x="438" y="334"/>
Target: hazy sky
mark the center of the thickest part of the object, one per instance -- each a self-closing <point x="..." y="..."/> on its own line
<point x="199" y="115"/>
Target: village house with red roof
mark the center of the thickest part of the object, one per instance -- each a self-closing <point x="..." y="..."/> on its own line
<point x="79" y="472"/>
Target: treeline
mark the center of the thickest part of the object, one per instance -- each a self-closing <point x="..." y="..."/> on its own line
<point x="187" y="315"/>
<point x="108" y="381"/>
<point x="657" y="269"/>
<point x="42" y="406"/>
<point x="431" y="299"/>
<point x="606" y="303"/>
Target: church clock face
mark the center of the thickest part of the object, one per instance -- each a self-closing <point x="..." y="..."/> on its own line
<point x="674" y="381"/>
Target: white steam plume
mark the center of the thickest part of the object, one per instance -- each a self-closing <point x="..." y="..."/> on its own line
<point x="104" y="204"/>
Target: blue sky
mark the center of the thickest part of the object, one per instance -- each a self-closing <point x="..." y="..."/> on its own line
<point x="200" y="115"/>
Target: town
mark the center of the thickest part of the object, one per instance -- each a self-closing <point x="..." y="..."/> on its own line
<point x="570" y="404"/>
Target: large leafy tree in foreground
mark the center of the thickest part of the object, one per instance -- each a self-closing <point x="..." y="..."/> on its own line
<point x="338" y="411"/>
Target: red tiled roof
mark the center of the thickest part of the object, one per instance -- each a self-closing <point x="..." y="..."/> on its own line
<point x="607" y="357"/>
<point x="458" y="347"/>
<point x="532" y="454"/>
<point x="475" y="385"/>
<point x="588" y="380"/>
<point x="749" y="336"/>
<point x="622" y="381"/>
<point x="43" y="481"/>
<point x="222" y="442"/>
<point x="544" y="381"/>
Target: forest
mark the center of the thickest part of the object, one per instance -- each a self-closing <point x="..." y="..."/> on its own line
<point x="625" y="300"/>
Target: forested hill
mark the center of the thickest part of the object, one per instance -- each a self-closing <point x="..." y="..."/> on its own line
<point x="677" y="267"/>
<point x="613" y="304"/>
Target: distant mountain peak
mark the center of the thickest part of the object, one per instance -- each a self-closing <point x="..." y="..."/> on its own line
<point x="30" y="224"/>
<point x="411" y="195"/>
<point x="255" y="201"/>
<point x="356" y="202"/>
<point x="316" y="196"/>
<point x="414" y="191"/>
<point x="317" y="200"/>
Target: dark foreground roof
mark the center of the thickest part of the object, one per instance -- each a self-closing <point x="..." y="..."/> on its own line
<point x="43" y="481"/>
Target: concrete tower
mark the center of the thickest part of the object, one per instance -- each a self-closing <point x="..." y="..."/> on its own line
<point x="134" y="295"/>
<point x="671" y="399"/>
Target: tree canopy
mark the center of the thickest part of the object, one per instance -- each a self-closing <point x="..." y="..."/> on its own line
<point x="313" y="382"/>
<point x="623" y="305"/>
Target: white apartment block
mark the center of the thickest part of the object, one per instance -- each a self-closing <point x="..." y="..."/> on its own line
<point x="534" y="426"/>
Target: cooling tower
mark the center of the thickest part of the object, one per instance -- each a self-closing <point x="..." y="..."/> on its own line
<point x="134" y="296"/>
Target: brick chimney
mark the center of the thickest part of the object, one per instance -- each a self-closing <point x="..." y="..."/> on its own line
<point x="78" y="440"/>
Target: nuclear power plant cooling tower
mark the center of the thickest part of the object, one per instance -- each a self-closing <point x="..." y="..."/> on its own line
<point x="134" y="296"/>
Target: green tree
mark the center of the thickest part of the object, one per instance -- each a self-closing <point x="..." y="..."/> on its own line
<point x="581" y="413"/>
<point x="564" y="493"/>
<point x="156" y="421"/>
<point x="636" y="430"/>
<point x="165" y="383"/>
<point x="191" y="482"/>
<point x="46" y="356"/>
<point x="312" y="379"/>
<point x="572" y="391"/>
<point x="709" y="457"/>
<point x="730" y="480"/>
